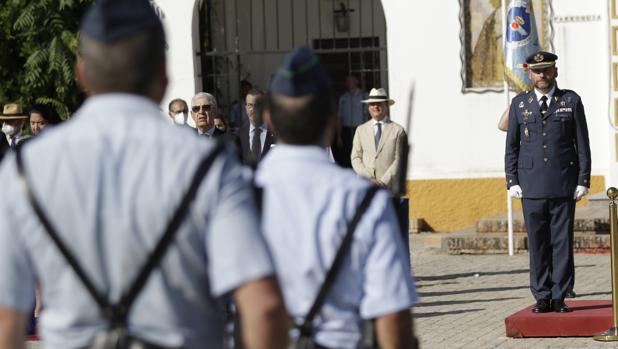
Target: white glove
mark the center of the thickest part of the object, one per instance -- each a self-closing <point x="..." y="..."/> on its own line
<point x="515" y="192"/>
<point x="580" y="192"/>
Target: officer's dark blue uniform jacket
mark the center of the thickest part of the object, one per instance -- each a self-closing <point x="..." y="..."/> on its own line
<point x="547" y="156"/>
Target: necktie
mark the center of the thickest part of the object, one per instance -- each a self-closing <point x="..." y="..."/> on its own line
<point x="12" y="142"/>
<point x="256" y="143"/>
<point x="378" y="134"/>
<point x="543" y="105"/>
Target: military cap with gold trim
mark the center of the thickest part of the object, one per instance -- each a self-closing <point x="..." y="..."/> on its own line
<point x="541" y="60"/>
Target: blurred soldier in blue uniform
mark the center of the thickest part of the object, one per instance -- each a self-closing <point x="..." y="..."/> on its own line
<point x="307" y="204"/>
<point x="547" y="162"/>
<point x="114" y="175"/>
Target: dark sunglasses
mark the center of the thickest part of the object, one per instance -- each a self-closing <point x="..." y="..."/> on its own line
<point x="205" y="107"/>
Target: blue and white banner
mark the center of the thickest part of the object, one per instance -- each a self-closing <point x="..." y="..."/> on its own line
<point x="522" y="40"/>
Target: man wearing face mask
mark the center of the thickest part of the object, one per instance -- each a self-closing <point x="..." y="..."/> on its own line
<point x="254" y="140"/>
<point x="220" y="124"/>
<point x="178" y="111"/>
<point x="203" y="111"/>
<point x="13" y="119"/>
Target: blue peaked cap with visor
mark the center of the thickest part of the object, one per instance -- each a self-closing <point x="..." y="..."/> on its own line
<point x="300" y="74"/>
<point x="109" y="21"/>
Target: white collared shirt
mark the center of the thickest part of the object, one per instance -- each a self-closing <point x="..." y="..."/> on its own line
<point x="16" y="138"/>
<point x="549" y="95"/>
<point x="207" y="133"/>
<point x="262" y="135"/>
<point x="375" y="123"/>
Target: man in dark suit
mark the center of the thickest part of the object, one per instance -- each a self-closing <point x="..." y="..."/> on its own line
<point x="547" y="162"/>
<point x="203" y="112"/>
<point x="254" y="140"/>
<point x="4" y="147"/>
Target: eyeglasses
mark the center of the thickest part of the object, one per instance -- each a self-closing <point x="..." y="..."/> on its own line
<point x="178" y="112"/>
<point x="204" y="107"/>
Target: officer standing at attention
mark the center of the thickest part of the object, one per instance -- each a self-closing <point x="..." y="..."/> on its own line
<point x="307" y="204"/>
<point x="547" y="162"/>
<point x="111" y="186"/>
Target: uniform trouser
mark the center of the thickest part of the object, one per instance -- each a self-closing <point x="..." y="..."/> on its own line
<point x="347" y="138"/>
<point x="550" y="242"/>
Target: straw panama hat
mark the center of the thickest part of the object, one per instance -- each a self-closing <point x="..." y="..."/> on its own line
<point x="12" y="111"/>
<point x="378" y="95"/>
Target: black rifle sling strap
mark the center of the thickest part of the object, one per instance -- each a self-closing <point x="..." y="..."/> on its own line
<point x="306" y="328"/>
<point x="117" y="313"/>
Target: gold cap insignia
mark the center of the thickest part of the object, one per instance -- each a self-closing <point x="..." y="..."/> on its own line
<point x="539" y="58"/>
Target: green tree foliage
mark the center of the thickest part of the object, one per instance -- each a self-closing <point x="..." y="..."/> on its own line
<point x="38" y="45"/>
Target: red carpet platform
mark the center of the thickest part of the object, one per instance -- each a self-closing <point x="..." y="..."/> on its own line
<point x="588" y="318"/>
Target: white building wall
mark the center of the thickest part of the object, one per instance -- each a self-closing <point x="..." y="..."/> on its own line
<point x="454" y="135"/>
<point x="182" y="67"/>
<point x="585" y="69"/>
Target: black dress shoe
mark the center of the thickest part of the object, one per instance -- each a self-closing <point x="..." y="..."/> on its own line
<point x="542" y="306"/>
<point x="559" y="306"/>
<point x="571" y="294"/>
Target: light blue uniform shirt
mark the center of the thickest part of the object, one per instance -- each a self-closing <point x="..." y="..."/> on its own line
<point x="307" y="204"/>
<point x="109" y="180"/>
<point x="351" y="110"/>
<point x="238" y="115"/>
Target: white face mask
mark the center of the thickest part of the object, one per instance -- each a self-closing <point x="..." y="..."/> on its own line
<point x="180" y="118"/>
<point x="8" y="130"/>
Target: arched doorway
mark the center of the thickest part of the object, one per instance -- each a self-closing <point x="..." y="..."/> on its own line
<point x="247" y="39"/>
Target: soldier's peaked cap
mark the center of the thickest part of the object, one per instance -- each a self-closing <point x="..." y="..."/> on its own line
<point x="541" y="60"/>
<point x="109" y="21"/>
<point x="300" y="74"/>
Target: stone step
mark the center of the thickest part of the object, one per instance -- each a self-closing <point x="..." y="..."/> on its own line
<point x="599" y="200"/>
<point x="590" y="225"/>
<point x="497" y="242"/>
<point x="587" y="219"/>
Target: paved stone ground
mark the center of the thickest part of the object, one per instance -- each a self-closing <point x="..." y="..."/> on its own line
<point x="465" y="299"/>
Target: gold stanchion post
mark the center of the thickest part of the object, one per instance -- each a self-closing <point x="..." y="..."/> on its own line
<point x="612" y="334"/>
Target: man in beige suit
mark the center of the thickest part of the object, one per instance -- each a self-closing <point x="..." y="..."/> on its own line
<point x="378" y="143"/>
